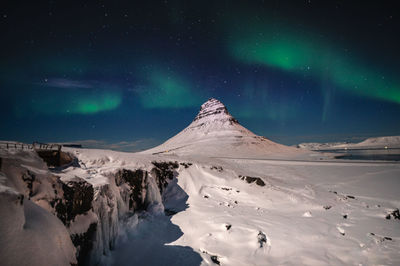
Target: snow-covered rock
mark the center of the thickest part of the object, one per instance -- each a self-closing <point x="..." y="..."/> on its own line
<point x="30" y="233"/>
<point x="90" y="212"/>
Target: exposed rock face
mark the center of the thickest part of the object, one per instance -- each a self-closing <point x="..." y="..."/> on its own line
<point x="84" y="244"/>
<point x="29" y="178"/>
<point x="55" y="158"/>
<point x="78" y="197"/>
<point x="163" y="172"/>
<point x="137" y="181"/>
<point x="90" y="215"/>
<point x="214" y="109"/>
<point x="250" y="179"/>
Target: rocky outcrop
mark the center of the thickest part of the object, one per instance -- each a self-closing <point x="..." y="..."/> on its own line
<point x="28" y="217"/>
<point x="29" y="178"/>
<point x="164" y="172"/>
<point x="77" y="199"/>
<point x="250" y="179"/>
<point x="90" y="215"/>
<point x="214" y="108"/>
<point x="135" y="182"/>
<point x="84" y="244"/>
<point x="55" y="158"/>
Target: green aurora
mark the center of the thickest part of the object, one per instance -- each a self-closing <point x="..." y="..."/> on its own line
<point x="82" y="102"/>
<point x="307" y="55"/>
<point x="167" y="90"/>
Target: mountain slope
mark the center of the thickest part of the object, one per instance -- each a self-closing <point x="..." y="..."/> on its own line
<point x="215" y="132"/>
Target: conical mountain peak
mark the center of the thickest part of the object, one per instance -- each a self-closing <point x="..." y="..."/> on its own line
<point x="215" y="132"/>
<point x="214" y="110"/>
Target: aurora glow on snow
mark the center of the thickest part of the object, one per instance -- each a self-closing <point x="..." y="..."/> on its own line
<point x="107" y="72"/>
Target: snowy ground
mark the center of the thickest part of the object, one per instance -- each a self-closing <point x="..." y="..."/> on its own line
<point x="235" y="199"/>
<point x="310" y="212"/>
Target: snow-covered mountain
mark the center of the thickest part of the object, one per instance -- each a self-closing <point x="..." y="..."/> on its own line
<point x="369" y="143"/>
<point x="319" y="146"/>
<point x="381" y="142"/>
<point x="215" y="132"/>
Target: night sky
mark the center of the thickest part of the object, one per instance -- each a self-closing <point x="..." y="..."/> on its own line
<point x="130" y="74"/>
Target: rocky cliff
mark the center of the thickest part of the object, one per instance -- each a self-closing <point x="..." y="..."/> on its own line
<point x="89" y="215"/>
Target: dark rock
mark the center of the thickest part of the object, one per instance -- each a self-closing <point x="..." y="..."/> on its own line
<point x="228" y="226"/>
<point x="218" y="168"/>
<point x="345" y="216"/>
<point x="166" y="165"/>
<point x="250" y="179"/>
<point x="29" y="179"/>
<point x="213" y="107"/>
<point x="55" y="158"/>
<point x="163" y="172"/>
<point x="186" y="165"/>
<point x="78" y="197"/>
<point x="137" y="181"/>
<point x="262" y="238"/>
<point x="395" y="214"/>
<point x="84" y="244"/>
<point x="350" y="197"/>
<point x="170" y="212"/>
<point x="214" y="259"/>
<point x="205" y="196"/>
<point x="21" y="199"/>
<point x="327" y="207"/>
<point x="225" y="188"/>
<point x="388" y="238"/>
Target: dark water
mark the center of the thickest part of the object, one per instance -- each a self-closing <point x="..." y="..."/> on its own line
<point x="368" y="154"/>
